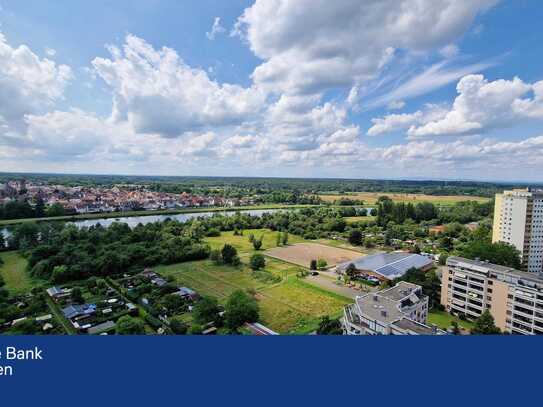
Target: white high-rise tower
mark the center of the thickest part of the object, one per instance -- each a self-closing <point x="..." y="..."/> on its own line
<point x="518" y="220"/>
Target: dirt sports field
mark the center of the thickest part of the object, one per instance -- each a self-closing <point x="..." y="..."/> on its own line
<point x="303" y="253"/>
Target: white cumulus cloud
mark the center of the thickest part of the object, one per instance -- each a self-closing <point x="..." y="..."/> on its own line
<point x="28" y="83"/>
<point x="158" y="93"/>
<point x="482" y="105"/>
<point x="312" y="45"/>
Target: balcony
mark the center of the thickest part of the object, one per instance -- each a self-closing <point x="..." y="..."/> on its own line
<point x="478" y="282"/>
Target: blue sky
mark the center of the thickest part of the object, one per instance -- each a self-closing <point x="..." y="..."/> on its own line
<point x="376" y="89"/>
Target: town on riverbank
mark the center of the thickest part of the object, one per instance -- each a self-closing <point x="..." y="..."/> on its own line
<point x="316" y="268"/>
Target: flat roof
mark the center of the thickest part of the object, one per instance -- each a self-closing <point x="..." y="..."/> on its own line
<point x="400" y="291"/>
<point x="379" y="308"/>
<point x="104" y="326"/>
<point x="485" y="267"/>
<point x="410" y="325"/>
<point x="390" y="265"/>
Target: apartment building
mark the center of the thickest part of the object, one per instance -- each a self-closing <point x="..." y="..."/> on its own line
<point x="518" y="220"/>
<point x="513" y="297"/>
<point x="400" y="310"/>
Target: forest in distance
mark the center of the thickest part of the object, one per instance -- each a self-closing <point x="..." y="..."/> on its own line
<point x="239" y="186"/>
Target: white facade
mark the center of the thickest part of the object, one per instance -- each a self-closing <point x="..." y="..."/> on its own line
<point x="400" y="310"/>
<point x="518" y="220"/>
<point x="535" y="253"/>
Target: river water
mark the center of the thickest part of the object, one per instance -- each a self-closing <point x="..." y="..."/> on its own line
<point x="133" y="221"/>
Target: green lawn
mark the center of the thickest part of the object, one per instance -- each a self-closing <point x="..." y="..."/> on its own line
<point x="291" y="305"/>
<point x="288" y="306"/>
<point x="14" y="273"/>
<point x="295" y="306"/>
<point x="210" y="279"/>
<point x="242" y="243"/>
<point x="444" y="320"/>
<point x="353" y="219"/>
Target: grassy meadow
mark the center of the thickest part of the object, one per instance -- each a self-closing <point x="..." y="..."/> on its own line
<point x="13" y="271"/>
<point x="287" y="304"/>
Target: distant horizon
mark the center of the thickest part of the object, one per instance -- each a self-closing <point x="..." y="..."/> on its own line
<point x="414" y="179"/>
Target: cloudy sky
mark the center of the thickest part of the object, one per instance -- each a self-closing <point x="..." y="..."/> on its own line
<point x="448" y="89"/>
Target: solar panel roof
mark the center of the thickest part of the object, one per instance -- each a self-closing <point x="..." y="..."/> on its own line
<point x="390" y="265"/>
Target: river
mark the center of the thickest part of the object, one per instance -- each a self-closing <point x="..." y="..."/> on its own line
<point x="133" y="221"/>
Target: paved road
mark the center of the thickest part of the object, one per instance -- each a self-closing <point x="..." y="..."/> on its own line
<point x="330" y="285"/>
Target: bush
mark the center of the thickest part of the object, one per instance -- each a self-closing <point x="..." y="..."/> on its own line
<point x="236" y="261"/>
<point x="178" y="327"/>
<point x="153" y="321"/>
<point x="329" y="326"/>
<point x="206" y="310"/>
<point x="213" y="232"/>
<point x="321" y="264"/>
<point x="284" y="238"/>
<point x="196" y="329"/>
<point x="355" y="237"/>
<point x="130" y="326"/>
<point x="257" y="262"/>
<point x="240" y="308"/>
<point x="229" y="253"/>
<point x="266" y="276"/>
<point x="257" y="243"/>
<point x="369" y="243"/>
<point x="77" y="295"/>
<point x="215" y="255"/>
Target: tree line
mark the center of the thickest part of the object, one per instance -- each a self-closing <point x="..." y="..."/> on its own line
<point x="16" y="209"/>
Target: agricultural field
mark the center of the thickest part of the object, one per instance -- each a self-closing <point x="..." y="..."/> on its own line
<point x="370" y="198"/>
<point x="13" y="270"/>
<point x="287" y="303"/>
<point x="288" y="306"/>
<point x="302" y="254"/>
<point x="208" y="278"/>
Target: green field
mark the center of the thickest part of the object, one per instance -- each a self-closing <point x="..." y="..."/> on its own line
<point x="288" y="306"/>
<point x="307" y="303"/>
<point x="14" y="273"/>
<point x="364" y="219"/>
<point x="242" y="243"/>
<point x="210" y="279"/>
<point x="444" y="320"/>
<point x="344" y="244"/>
